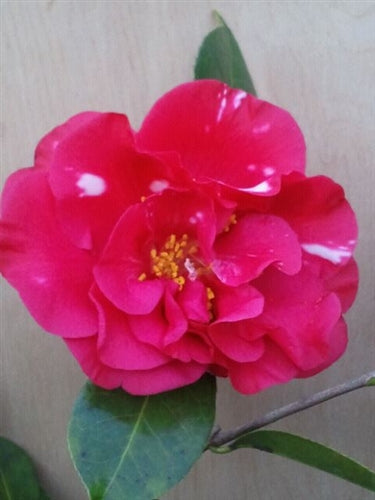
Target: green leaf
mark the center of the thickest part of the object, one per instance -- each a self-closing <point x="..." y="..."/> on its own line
<point x="371" y="381"/>
<point x="18" y="480"/>
<point x="220" y="58"/>
<point x="43" y="495"/>
<point x="136" y="448"/>
<point x="307" y="452"/>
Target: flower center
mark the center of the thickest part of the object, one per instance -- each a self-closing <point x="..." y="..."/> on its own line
<point x="167" y="263"/>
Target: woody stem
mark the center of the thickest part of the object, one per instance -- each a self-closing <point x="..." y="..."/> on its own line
<point x="219" y="437"/>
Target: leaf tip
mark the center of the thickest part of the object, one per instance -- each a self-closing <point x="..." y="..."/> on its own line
<point x="218" y="18"/>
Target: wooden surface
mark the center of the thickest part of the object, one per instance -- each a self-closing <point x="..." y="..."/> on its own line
<point x="314" y="58"/>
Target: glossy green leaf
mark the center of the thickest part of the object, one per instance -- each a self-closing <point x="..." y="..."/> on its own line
<point x="18" y="480"/>
<point x="307" y="452"/>
<point x="136" y="448"/>
<point x="220" y="58"/>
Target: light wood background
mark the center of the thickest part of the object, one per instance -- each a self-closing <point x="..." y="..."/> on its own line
<point x="316" y="59"/>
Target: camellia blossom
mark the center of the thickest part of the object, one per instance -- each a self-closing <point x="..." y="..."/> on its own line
<point x="194" y="245"/>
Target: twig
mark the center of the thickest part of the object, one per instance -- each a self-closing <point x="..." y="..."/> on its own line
<point x="219" y="438"/>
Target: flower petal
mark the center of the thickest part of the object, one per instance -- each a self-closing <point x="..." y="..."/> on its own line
<point x="237" y="303"/>
<point x="117" y="345"/>
<point x="86" y="353"/>
<point x="138" y="382"/>
<point x="251" y="245"/>
<point x="274" y="367"/>
<point x="94" y="168"/>
<point x="318" y="212"/>
<point x="145" y="226"/>
<point x="301" y="315"/>
<point x="231" y="340"/>
<point x="336" y="347"/>
<point x="193" y="301"/>
<point x="340" y="279"/>
<point x="163" y="378"/>
<point x="124" y="260"/>
<point x="52" y="276"/>
<point x="225" y="135"/>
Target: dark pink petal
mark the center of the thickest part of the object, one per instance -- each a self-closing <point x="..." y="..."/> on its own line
<point x="52" y="276"/>
<point x="161" y="379"/>
<point x="251" y="245"/>
<point x="46" y="147"/>
<point x="336" y="347"/>
<point x="95" y="169"/>
<point x="86" y="353"/>
<point x="301" y="315"/>
<point x="318" y="212"/>
<point x="225" y="135"/>
<point x="179" y="213"/>
<point x="150" y="328"/>
<point x="340" y="279"/>
<point x="193" y="301"/>
<point x="125" y="258"/>
<point x="274" y="367"/>
<point x="229" y="339"/>
<point x="145" y="226"/>
<point x="117" y="345"/>
<point x="88" y="175"/>
<point x="191" y="347"/>
<point x="138" y="382"/>
<point x="237" y="303"/>
<point x="177" y="323"/>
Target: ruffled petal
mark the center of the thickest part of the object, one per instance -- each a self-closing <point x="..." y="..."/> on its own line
<point x="193" y="301"/>
<point x="318" y="212"/>
<point x="273" y="368"/>
<point x="52" y="276"/>
<point x="94" y="168"/>
<point x="117" y="346"/>
<point x="124" y="260"/>
<point x="225" y="135"/>
<point x="124" y="273"/>
<point x="335" y="348"/>
<point x="342" y="280"/>
<point x="46" y="147"/>
<point x="231" y="339"/>
<point x="300" y="314"/>
<point x="237" y="303"/>
<point x="138" y="382"/>
<point x="164" y="378"/>
<point x="86" y="353"/>
<point x="251" y="245"/>
<point x="191" y="347"/>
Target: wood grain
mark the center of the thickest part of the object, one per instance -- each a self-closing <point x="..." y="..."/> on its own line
<point x="317" y="59"/>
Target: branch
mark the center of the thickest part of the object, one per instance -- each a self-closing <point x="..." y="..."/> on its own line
<point x="220" y="437"/>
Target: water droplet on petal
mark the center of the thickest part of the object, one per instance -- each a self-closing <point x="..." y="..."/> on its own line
<point x="158" y="185"/>
<point x="334" y="255"/>
<point x="91" y="185"/>
<point x="263" y="187"/>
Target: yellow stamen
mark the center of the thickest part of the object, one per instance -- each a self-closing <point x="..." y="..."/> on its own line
<point x="210" y="293"/>
<point x="142" y="277"/>
<point x="165" y="263"/>
<point x="232" y="221"/>
<point x="210" y="297"/>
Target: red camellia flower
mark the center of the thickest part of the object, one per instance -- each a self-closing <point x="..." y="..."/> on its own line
<point x="196" y="244"/>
